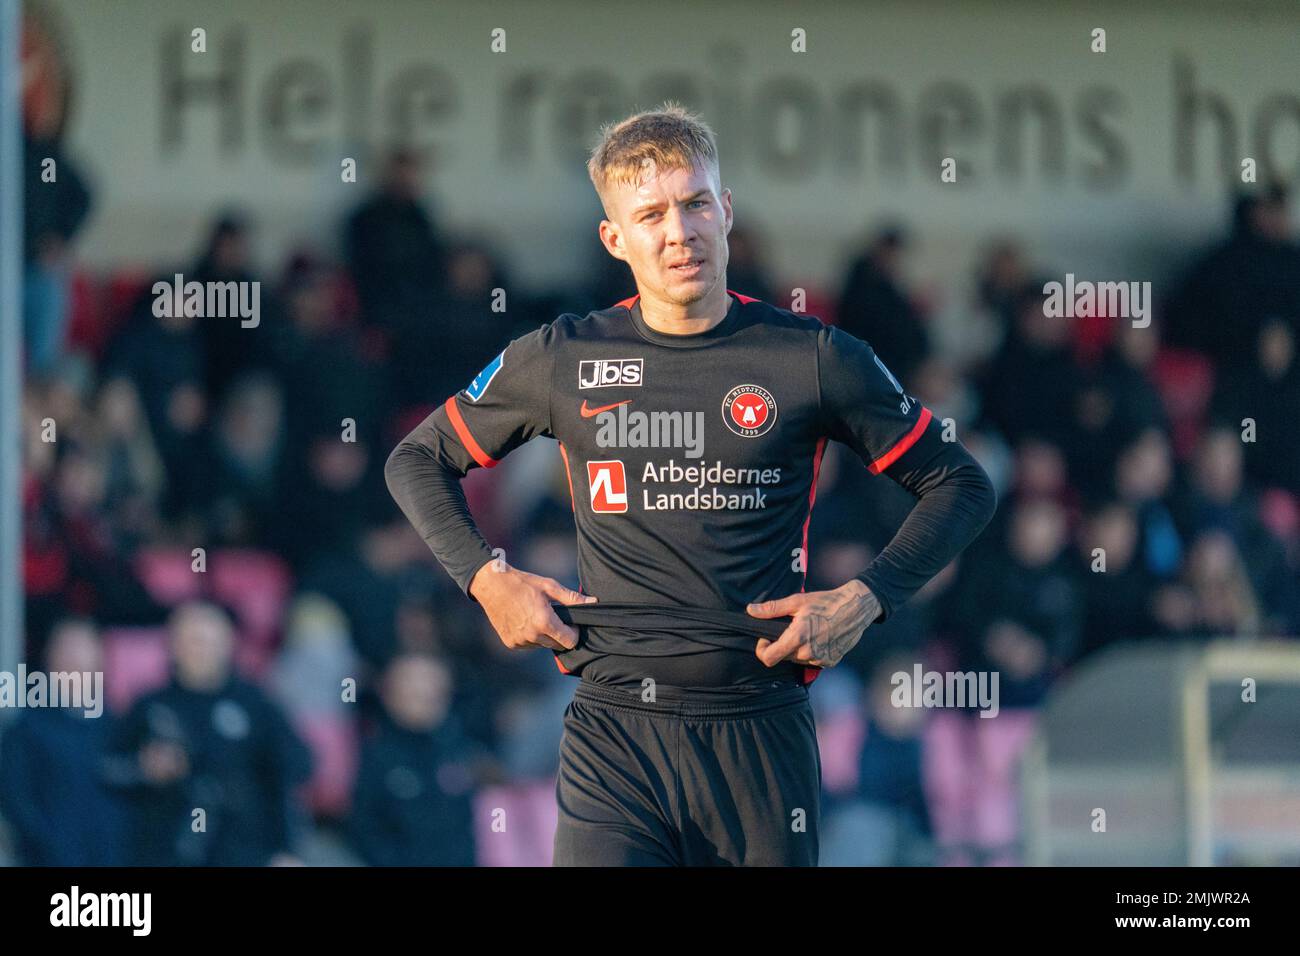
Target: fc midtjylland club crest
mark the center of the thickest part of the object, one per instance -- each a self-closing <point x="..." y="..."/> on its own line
<point x="749" y="411"/>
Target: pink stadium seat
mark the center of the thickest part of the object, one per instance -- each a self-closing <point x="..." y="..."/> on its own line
<point x="971" y="770"/>
<point x="1001" y="741"/>
<point x="946" y="756"/>
<point x="529" y="815"/>
<point x="135" y="662"/>
<point x="167" y="575"/>
<point x="334" y="749"/>
<point x="256" y="585"/>
<point x="839" y="738"/>
<point x="1279" y="510"/>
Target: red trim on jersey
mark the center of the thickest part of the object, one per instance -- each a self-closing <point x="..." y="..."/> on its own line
<point x="573" y="506"/>
<point x="810" y="674"/>
<point x="812" y="497"/>
<point x="904" y="443"/>
<point x="744" y="299"/>
<point x="462" y="432"/>
<point x="563" y="669"/>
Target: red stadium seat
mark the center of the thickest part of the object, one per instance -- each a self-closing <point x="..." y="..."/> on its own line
<point x="1185" y="381"/>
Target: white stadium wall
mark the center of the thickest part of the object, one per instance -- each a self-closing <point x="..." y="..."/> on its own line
<point x="1109" y="165"/>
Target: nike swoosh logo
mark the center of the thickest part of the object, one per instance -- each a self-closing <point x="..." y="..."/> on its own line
<point x="590" y="412"/>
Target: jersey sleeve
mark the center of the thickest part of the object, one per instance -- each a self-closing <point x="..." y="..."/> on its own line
<point x="507" y="404"/>
<point x="862" y="404"/>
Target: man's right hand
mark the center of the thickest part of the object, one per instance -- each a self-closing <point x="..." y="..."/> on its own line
<point x="519" y="606"/>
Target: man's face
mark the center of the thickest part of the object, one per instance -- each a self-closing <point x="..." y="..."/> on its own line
<point x="674" y="216"/>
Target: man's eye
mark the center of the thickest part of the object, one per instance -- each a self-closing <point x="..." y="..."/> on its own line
<point x="699" y="202"/>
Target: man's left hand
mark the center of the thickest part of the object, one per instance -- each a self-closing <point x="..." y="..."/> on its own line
<point x="826" y="625"/>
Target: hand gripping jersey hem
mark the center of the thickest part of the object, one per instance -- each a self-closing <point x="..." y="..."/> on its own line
<point x="902" y="445"/>
<point x="463" y="433"/>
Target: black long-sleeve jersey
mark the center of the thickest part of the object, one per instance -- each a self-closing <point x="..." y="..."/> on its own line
<point x="692" y="463"/>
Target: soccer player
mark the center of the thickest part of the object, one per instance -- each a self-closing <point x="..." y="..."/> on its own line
<point x="692" y="421"/>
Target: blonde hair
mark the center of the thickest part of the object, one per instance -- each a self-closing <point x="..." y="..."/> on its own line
<point x="670" y="137"/>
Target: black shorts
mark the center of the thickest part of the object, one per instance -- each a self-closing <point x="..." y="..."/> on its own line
<point x="682" y="783"/>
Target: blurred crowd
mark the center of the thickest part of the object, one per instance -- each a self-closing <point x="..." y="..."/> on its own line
<point x="292" y="678"/>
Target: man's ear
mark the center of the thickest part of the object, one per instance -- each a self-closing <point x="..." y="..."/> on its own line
<point x="726" y="205"/>
<point x="612" y="239"/>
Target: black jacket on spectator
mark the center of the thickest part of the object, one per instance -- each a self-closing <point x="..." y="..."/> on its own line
<point x="876" y="310"/>
<point x="1230" y="293"/>
<point x="244" y="763"/>
<point x="413" y="804"/>
<point x="395" y="257"/>
<point x="52" y="793"/>
<point x="54" y="209"/>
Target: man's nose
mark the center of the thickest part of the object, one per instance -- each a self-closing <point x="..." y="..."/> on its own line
<point x="677" y="227"/>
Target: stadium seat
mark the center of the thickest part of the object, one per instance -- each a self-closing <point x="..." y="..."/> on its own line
<point x="256" y="585"/>
<point x="839" y="738"/>
<point x="530" y="815"/>
<point x="1185" y="381"/>
<point x="334" y="747"/>
<point x="946" y="758"/>
<point x="136" y="661"/>
<point x="971" y="770"/>
<point x="168" y="575"/>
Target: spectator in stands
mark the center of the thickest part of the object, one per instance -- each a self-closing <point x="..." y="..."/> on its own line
<point x="1032" y="381"/>
<point x="393" y="249"/>
<point x="135" y="479"/>
<point x="1115" y="403"/>
<point x="1214" y="597"/>
<point x="874" y="305"/>
<point x="1143" y="478"/>
<point x="1216" y="498"/>
<point x="51" y="790"/>
<point x="1001" y="280"/>
<point x="163" y="356"/>
<point x="317" y="657"/>
<point x="441" y="347"/>
<point x="229" y="347"/>
<point x="1116" y="587"/>
<point x="247" y="455"/>
<point x="56" y="201"/>
<point x="1234" y="290"/>
<point x="1021" y="613"/>
<point x="1266" y="393"/>
<point x="209" y="763"/>
<point x="885" y="821"/>
<point x="413" y="804"/>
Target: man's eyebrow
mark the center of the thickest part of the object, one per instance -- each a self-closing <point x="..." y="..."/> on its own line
<point x="656" y="204"/>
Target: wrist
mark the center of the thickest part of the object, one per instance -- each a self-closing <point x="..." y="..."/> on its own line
<point x="858" y="591"/>
<point x="483" y="579"/>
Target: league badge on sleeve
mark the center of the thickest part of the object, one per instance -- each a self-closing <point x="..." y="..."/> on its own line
<point x="484" y="378"/>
